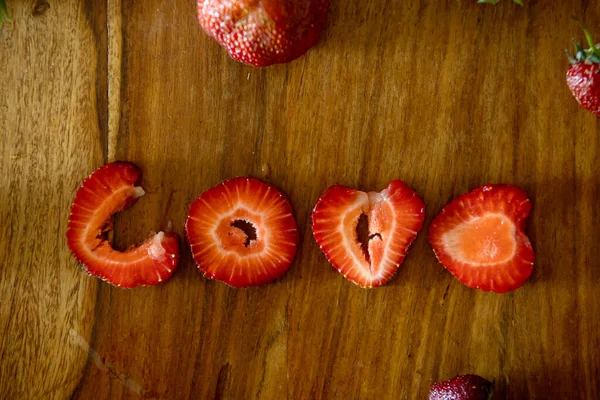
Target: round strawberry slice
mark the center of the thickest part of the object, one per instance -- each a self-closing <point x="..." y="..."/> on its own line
<point x="242" y="232"/>
<point x="480" y="238"/>
<point x="111" y="189"/>
<point x="365" y="236"/>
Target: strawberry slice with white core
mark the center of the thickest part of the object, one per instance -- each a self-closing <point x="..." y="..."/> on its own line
<point x="111" y="189"/>
<point x="367" y="255"/>
<point x="480" y="238"/>
<point x="242" y="232"/>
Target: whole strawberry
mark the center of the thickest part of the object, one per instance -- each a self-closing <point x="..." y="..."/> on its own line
<point x="583" y="76"/>
<point x="264" y="32"/>
<point x="463" y="387"/>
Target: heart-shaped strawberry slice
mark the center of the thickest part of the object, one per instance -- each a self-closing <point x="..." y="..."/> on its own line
<point x="480" y="238"/>
<point x="365" y="236"/>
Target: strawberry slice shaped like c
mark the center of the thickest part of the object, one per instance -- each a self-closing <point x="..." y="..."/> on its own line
<point x="369" y="255"/>
<point x="480" y="238"/>
<point x="111" y="189"/>
<point x="242" y="232"/>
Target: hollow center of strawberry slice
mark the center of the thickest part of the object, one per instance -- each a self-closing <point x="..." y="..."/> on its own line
<point x="363" y="236"/>
<point x="485" y="240"/>
<point x="101" y="221"/>
<point x="241" y="233"/>
<point x="248" y="231"/>
<point x="366" y="233"/>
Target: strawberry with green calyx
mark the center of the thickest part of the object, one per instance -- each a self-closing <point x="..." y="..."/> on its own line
<point x="583" y="76"/>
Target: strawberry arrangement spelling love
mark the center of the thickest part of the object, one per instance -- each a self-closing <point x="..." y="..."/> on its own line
<point x="243" y="232"/>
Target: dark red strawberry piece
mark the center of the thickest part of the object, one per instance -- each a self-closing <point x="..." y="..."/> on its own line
<point x="464" y="387"/>
<point x="480" y="238"/>
<point x="242" y="232"/>
<point x="111" y="189"/>
<point x="583" y="76"/>
<point x="394" y="217"/>
<point x="264" y="32"/>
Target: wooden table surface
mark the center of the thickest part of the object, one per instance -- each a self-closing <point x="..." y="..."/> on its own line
<point x="444" y="96"/>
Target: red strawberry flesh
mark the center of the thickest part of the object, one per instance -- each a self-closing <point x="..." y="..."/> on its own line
<point x="464" y="387"/>
<point x="479" y="237"/>
<point x="395" y="216"/>
<point x="264" y="32"/>
<point x="111" y="189"/>
<point x="242" y="232"/>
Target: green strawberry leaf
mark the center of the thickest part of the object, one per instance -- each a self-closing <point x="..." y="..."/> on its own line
<point x="591" y="55"/>
<point x="3" y="12"/>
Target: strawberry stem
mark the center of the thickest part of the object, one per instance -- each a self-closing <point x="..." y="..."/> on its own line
<point x="588" y="37"/>
<point x="593" y="52"/>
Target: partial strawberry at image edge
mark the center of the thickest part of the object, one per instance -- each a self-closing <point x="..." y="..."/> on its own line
<point x="266" y="32"/>
<point x="583" y="76"/>
<point x="108" y="190"/>
<point x="242" y="232"/>
<point x="462" y="387"/>
<point x="394" y="217"/>
<point x="480" y="238"/>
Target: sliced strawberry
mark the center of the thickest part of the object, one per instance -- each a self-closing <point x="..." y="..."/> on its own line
<point x="394" y="216"/>
<point x="480" y="238"/>
<point x="111" y="189"/>
<point x="242" y="232"/>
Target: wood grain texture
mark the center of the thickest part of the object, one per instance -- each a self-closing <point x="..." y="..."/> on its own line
<point x="51" y="116"/>
<point x="444" y="96"/>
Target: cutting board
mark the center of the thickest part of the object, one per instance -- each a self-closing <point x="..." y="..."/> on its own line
<point x="446" y="96"/>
